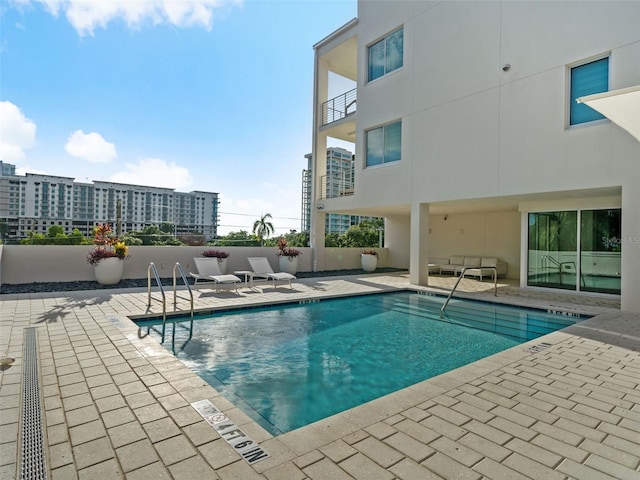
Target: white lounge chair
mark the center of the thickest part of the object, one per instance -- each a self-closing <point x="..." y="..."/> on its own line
<point x="209" y="270"/>
<point x="262" y="269"/>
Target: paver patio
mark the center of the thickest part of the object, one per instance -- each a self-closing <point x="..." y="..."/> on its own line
<point x="117" y="405"/>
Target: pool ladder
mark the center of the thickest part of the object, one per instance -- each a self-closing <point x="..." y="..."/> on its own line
<point x="176" y="268"/>
<point x="464" y="269"/>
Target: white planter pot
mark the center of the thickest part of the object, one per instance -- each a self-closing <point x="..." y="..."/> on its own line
<point x="288" y="264"/>
<point x="369" y="262"/>
<point x="222" y="263"/>
<point x="109" y="271"/>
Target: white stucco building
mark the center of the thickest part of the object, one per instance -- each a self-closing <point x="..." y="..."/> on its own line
<point x="469" y="140"/>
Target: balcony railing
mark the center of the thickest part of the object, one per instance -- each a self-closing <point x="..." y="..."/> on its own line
<point x="333" y="186"/>
<point x="339" y="107"/>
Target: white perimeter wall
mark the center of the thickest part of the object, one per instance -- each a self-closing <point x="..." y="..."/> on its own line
<point x="62" y="263"/>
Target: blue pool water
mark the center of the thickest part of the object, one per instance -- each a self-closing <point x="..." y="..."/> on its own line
<point x="288" y="366"/>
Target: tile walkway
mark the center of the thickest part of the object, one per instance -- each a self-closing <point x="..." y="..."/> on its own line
<point x="117" y="405"/>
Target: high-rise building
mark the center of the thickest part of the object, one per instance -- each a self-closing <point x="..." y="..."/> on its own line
<point x="34" y="202"/>
<point x="338" y="181"/>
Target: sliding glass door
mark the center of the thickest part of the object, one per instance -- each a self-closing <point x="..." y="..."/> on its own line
<point x="575" y="250"/>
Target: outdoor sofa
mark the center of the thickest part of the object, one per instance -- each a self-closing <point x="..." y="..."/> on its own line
<point x="476" y="266"/>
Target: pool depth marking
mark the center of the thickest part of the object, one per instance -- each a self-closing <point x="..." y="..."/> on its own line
<point x="250" y="450"/>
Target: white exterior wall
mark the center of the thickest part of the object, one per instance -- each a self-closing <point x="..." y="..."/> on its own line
<point x="488" y="140"/>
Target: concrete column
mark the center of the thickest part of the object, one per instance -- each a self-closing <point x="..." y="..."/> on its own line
<point x="630" y="295"/>
<point x="419" y="256"/>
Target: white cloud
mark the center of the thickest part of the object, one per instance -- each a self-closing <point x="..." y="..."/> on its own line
<point x="154" y="172"/>
<point x="91" y="147"/>
<point x="17" y="133"/>
<point x="87" y="15"/>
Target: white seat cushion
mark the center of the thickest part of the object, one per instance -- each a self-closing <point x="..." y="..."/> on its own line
<point x="488" y="262"/>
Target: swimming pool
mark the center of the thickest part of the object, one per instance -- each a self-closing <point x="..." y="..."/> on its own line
<point x="288" y="366"/>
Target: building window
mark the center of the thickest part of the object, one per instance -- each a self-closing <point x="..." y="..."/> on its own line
<point x="587" y="79"/>
<point x="384" y="144"/>
<point x="385" y="56"/>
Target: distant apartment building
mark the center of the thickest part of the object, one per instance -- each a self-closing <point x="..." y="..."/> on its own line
<point x="338" y="181"/>
<point x="34" y="202"/>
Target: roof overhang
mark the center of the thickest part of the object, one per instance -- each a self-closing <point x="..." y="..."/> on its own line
<point x="622" y="107"/>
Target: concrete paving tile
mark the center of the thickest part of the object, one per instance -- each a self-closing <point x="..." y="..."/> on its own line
<point x="513" y="416"/>
<point x="446" y="467"/>
<point x="98" y="380"/>
<point x="68" y="472"/>
<point x="136" y="455"/>
<point x="77" y="401"/>
<point x="82" y="415"/>
<point x="497" y="471"/>
<point x="443" y="427"/>
<point x="194" y="467"/>
<point x="156" y="471"/>
<point x="448" y="415"/>
<point x="73" y="389"/>
<point x="239" y="471"/>
<point x="379" y="452"/>
<point x="462" y="454"/>
<point x="199" y="433"/>
<point x="54" y="417"/>
<point x="171" y="402"/>
<point x="485" y="447"/>
<point x="615" y="455"/>
<point x="337" y="451"/>
<point x="577" y="470"/>
<point x="218" y="454"/>
<point x="408" y="469"/>
<point x="119" y="416"/>
<point x="621" y="444"/>
<point x="185" y="416"/>
<point x="409" y="446"/>
<point x="619" y="431"/>
<point x="314" y="456"/>
<point x="107" y="470"/>
<point x="92" y="453"/>
<point x="132" y="387"/>
<point x="561" y="448"/>
<point x="149" y="413"/>
<point x="126" y="434"/>
<point x="488" y="432"/>
<point x="538" y="454"/>
<point x="87" y="432"/>
<point x="174" y="450"/>
<point x="512" y="428"/>
<point x="286" y="471"/>
<point x="140" y="399"/>
<point x="418" y="431"/>
<point x="362" y="468"/>
<point x="380" y="430"/>
<point x="531" y="468"/>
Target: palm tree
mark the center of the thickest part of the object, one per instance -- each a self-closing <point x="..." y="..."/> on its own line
<point x="263" y="228"/>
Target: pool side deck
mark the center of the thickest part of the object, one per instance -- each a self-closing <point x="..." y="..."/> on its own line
<point x="117" y="405"/>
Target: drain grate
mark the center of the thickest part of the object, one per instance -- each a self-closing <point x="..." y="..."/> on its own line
<point x="33" y="464"/>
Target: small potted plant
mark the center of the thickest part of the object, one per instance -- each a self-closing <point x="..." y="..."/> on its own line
<point x="107" y="257"/>
<point x="288" y="257"/>
<point x="221" y="255"/>
<point x="369" y="260"/>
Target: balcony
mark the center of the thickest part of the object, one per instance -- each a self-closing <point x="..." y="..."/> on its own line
<point x="339" y="107"/>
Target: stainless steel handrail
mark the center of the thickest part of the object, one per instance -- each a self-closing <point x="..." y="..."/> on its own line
<point x="152" y="268"/>
<point x="464" y="269"/>
<point x="179" y="268"/>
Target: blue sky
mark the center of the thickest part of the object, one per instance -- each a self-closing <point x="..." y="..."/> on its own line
<point x="212" y="95"/>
